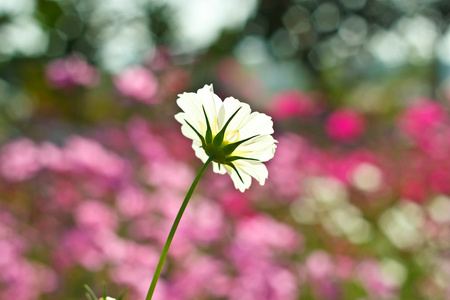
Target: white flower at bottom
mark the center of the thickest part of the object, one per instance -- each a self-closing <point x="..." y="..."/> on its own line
<point x="238" y="140"/>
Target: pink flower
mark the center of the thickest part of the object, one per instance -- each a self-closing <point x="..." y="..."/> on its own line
<point x="170" y="174"/>
<point x="78" y="246"/>
<point x="343" y="166"/>
<point x="95" y="215"/>
<point x="148" y="144"/>
<point x="85" y="155"/>
<point x="264" y="280"/>
<point x="190" y="282"/>
<point x="132" y="201"/>
<point x="236" y="204"/>
<point x="52" y="157"/>
<point x="138" y="83"/>
<point x="296" y="159"/>
<point x="322" y="273"/>
<point x="70" y="72"/>
<point x="426" y="123"/>
<point x="422" y="118"/>
<point x="320" y="265"/>
<point x="204" y="223"/>
<point x="266" y="235"/>
<point x="292" y="103"/>
<point x="19" y="160"/>
<point x="345" y="125"/>
<point x="370" y="275"/>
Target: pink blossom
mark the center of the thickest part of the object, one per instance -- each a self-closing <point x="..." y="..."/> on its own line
<point x="23" y="280"/>
<point x="264" y="281"/>
<point x="345" y="125"/>
<point x="52" y="157"/>
<point x="322" y="273"/>
<point x="63" y="194"/>
<point x="136" y="269"/>
<point x="169" y="174"/>
<point x="138" y="83"/>
<point x="77" y="246"/>
<point x="236" y="204"/>
<point x="132" y="201"/>
<point x="342" y="166"/>
<point x="292" y="103"/>
<point x="19" y="160"/>
<point x="320" y="265"/>
<point x="204" y="223"/>
<point x="147" y="143"/>
<point x="344" y="266"/>
<point x="295" y="160"/>
<point x="370" y="275"/>
<point x="424" y="117"/>
<point x="85" y="155"/>
<point x="264" y="234"/>
<point x="70" y="72"/>
<point x="195" y="270"/>
<point x="95" y="215"/>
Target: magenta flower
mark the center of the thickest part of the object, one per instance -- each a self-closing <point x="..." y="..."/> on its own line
<point x="138" y="83"/>
<point x="70" y="72"/>
<point x="345" y="125"/>
<point x="422" y="122"/>
<point x="292" y="103"/>
<point x="19" y="160"/>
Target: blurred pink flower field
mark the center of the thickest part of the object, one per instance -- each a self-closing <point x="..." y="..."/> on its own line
<point x="342" y="215"/>
<point x="94" y="166"/>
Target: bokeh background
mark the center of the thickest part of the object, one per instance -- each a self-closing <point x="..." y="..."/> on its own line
<point x="93" y="166"/>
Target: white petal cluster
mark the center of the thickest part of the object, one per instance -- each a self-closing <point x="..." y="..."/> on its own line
<point x="250" y="131"/>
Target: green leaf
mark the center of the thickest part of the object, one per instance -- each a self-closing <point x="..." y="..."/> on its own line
<point x="90" y="293"/>
<point x="198" y="133"/>
<point x="235" y="169"/>
<point x="208" y="128"/>
<point x="104" y="292"/>
<point x="233" y="158"/>
<point x="228" y="149"/>
<point x="123" y="294"/>
<point x="218" y="139"/>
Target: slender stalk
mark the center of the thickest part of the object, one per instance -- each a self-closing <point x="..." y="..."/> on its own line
<point x="162" y="259"/>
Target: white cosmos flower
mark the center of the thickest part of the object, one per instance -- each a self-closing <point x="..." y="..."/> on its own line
<point x="239" y="140"/>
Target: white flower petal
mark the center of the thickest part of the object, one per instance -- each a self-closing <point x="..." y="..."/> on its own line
<point x="257" y="124"/>
<point x="230" y="106"/>
<point x="261" y="148"/>
<point x="212" y="103"/>
<point x="244" y="124"/>
<point x="189" y="133"/>
<point x="185" y="129"/>
<point x="190" y="103"/>
<point x="217" y="169"/>
<point x="242" y="186"/>
<point x="255" y="169"/>
<point x="196" y="145"/>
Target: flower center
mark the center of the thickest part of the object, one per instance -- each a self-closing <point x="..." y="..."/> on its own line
<point x="221" y="145"/>
<point x="219" y="151"/>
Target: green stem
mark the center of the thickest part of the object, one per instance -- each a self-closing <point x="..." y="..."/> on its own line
<point x="162" y="259"/>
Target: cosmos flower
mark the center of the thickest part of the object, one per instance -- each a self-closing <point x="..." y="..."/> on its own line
<point x="238" y="140"/>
